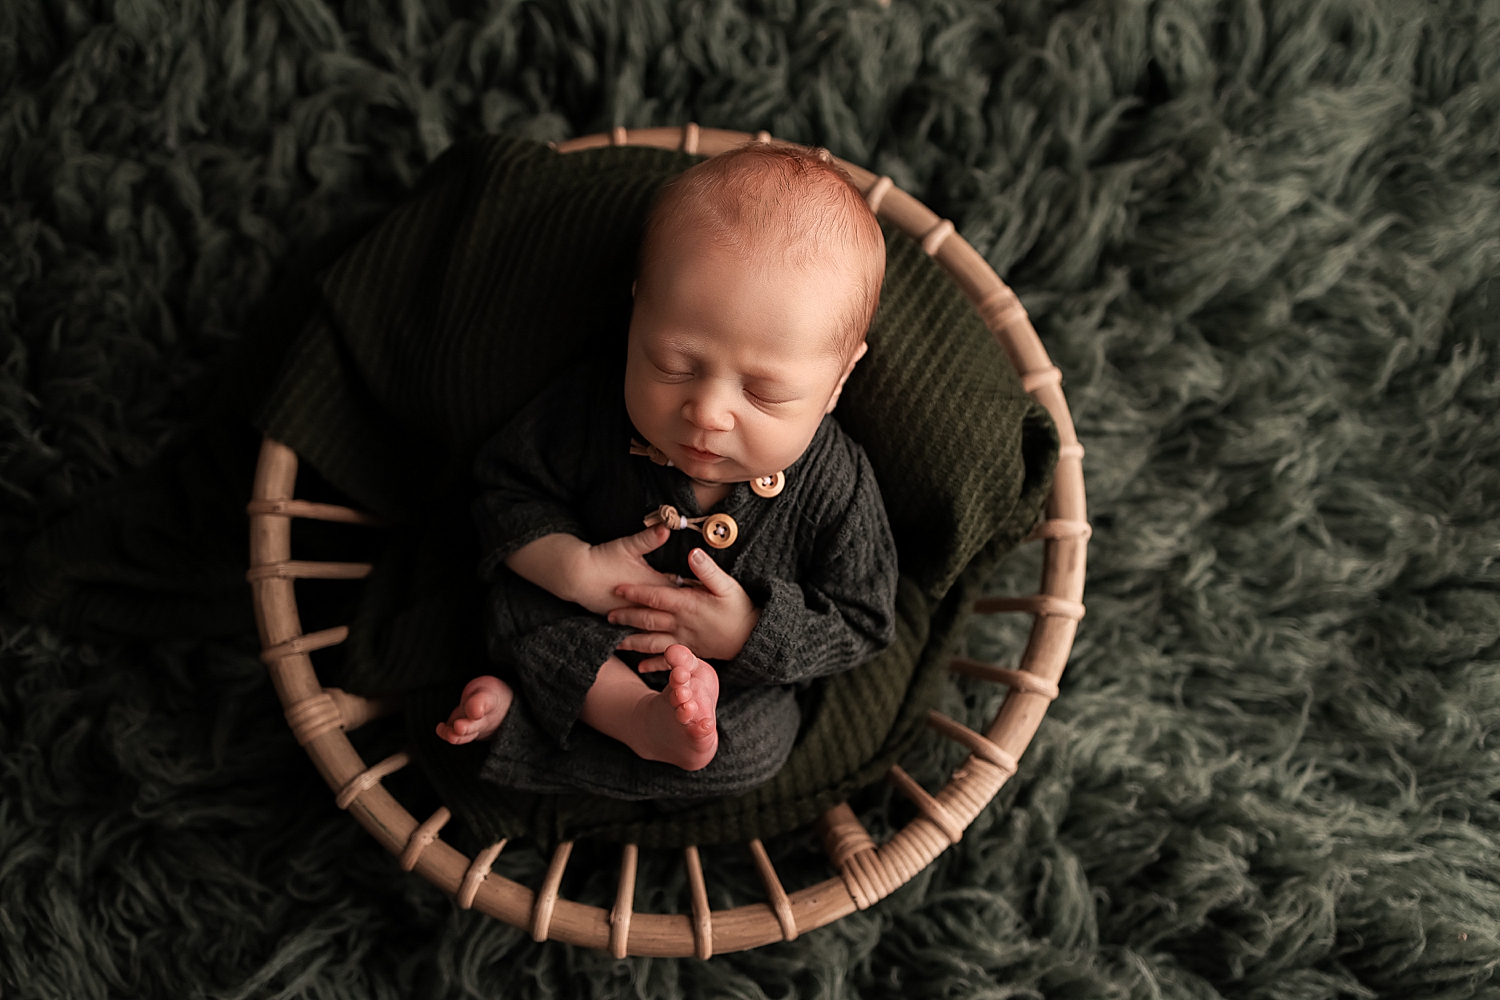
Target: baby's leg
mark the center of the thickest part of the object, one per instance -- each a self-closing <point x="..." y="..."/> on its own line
<point x="481" y="709"/>
<point x="677" y="725"/>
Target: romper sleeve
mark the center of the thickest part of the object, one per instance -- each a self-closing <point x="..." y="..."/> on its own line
<point x="531" y="473"/>
<point x="843" y="610"/>
<point x="531" y="476"/>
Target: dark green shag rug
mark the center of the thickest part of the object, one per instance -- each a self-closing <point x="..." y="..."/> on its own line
<point x="1260" y="239"/>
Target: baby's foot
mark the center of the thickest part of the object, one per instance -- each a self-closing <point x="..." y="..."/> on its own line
<point x="481" y="709"/>
<point x="680" y="727"/>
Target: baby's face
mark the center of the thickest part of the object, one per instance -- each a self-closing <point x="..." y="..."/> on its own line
<point x="732" y="365"/>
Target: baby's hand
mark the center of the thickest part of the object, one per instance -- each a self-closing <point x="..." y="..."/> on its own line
<point x="600" y="570"/>
<point x="713" y="621"/>
<point x="568" y="567"/>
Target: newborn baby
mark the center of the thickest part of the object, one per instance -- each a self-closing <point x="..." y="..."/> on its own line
<point x="767" y="559"/>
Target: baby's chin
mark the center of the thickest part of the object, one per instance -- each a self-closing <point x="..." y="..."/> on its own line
<point x="725" y="470"/>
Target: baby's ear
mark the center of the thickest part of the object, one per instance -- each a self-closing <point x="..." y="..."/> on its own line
<point x="632" y="288"/>
<point x="848" y="370"/>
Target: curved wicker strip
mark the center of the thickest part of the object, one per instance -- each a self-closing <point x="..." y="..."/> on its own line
<point x="293" y="569"/>
<point x="866" y="873"/>
<point x="369" y="778"/>
<point x="930" y="807"/>
<point x="546" y="900"/>
<point x="1000" y="308"/>
<point x="976" y="744"/>
<point x="422" y="836"/>
<point x="306" y="643"/>
<point x="312" y="717"/>
<point x="1018" y="680"/>
<point x="868" y="879"/>
<point x="780" y="905"/>
<point x="1033" y="381"/>
<point x="703" y="921"/>
<point x="619" y="917"/>
<point x="356" y="710"/>
<point x="477" y="870"/>
<point x="1043" y="605"/>
<point x="843" y="834"/>
<point x="316" y="511"/>
<point x="936" y="237"/>
<point x="1055" y="529"/>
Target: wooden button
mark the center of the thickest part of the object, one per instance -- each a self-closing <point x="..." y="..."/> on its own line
<point x="768" y="486"/>
<point x="720" y="531"/>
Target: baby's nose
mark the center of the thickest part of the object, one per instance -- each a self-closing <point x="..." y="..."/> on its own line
<point x="709" y="411"/>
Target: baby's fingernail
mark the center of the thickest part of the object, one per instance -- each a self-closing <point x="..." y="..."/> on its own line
<point x="699" y="555"/>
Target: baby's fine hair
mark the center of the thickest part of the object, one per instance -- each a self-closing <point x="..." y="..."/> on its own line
<point x="794" y="200"/>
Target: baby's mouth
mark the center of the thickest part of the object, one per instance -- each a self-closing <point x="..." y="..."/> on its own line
<point x="700" y="455"/>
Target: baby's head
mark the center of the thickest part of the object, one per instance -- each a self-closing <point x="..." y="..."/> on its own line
<point x="759" y="274"/>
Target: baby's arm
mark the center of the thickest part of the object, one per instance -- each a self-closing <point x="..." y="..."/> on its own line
<point x="572" y="569"/>
<point x="532" y="476"/>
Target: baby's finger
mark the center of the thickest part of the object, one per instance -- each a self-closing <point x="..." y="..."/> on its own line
<point x="647" y="642"/>
<point x="662" y="598"/>
<point x="654" y="665"/>
<point x="645" y="619"/>
<point x="715" y="580"/>
<point x="648" y="540"/>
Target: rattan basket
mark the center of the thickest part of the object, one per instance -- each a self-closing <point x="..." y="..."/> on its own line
<point x="321" y="717"/>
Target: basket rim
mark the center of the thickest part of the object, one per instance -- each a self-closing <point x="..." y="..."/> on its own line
<point x="320" y="718"/>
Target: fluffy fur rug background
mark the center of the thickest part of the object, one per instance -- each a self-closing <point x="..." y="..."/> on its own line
<point x="1258" y="237"/>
